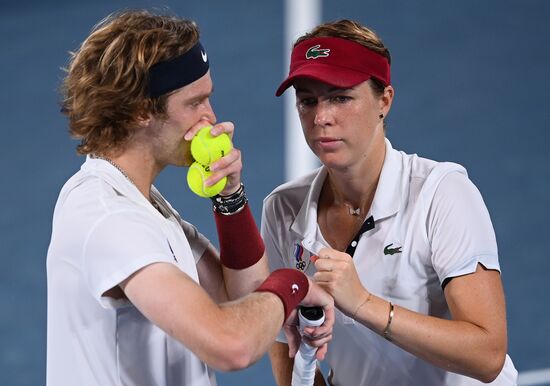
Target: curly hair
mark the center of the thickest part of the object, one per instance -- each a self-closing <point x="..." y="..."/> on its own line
<point x="351" y="30"/>
<point x="105" y="88"/>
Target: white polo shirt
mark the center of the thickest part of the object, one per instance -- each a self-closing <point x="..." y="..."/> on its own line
<point x="429" y="223"/>
<point x="104" y="230"/>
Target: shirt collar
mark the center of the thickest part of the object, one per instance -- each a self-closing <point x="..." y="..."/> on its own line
<point x="386" y="202"/>
<point x="305" y="223"/>
<point x="111" y="175"/>
<point x="387" y="198"/>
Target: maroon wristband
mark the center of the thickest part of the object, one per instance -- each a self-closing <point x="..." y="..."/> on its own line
<point x="288" y="284"/>
<point x="241" y="245"/>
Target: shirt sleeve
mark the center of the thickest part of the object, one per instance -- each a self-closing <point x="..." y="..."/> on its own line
<point x="273" y="251"/>
<point x="272" y="238"/>
<point x="459" y="229"/>
<point x="197" y="241"/>
<point x="118" y="245"/>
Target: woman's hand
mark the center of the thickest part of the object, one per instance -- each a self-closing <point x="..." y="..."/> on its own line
<point x="337" y="275"/>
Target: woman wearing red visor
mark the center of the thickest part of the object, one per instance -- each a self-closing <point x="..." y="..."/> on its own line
<point x="404" y="244"/>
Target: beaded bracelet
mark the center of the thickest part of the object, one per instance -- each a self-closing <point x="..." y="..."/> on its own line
<point x="231" y="204"/>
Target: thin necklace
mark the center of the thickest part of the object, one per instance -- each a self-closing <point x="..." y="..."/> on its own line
<point x="353" y="212"/>
<point x="116" y="167"/>
<point x="337" y="202"/>
<point x="153" y="202"/>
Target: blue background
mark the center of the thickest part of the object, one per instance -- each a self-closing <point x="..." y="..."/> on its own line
<point x="471" y="81"/>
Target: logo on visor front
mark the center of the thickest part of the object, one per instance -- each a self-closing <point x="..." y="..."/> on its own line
<point x="317" y="52"/>
<point x="204" y="56"/>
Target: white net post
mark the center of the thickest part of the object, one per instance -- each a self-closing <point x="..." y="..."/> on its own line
<point x="300" y="17"/>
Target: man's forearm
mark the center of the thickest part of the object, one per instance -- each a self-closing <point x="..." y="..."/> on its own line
<point x="240" y="282"/>
<point x="241" y="252"/>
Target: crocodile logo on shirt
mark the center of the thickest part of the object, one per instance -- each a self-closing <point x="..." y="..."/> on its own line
<point x="391" y="251"/>
<point x="317" y="52"/>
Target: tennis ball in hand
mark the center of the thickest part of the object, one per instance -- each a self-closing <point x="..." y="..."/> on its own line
<point x="196" y="175"/>
<point x="206" y="149"/>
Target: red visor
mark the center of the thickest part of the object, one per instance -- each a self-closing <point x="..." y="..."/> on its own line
<point x="335" y="61"/>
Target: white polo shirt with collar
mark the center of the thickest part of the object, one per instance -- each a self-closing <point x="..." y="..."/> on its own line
<point x="103" y="231"/>
<point x="427" y="223"/>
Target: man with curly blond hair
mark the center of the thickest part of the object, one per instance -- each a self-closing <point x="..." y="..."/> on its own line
<point x="136" y="295"/>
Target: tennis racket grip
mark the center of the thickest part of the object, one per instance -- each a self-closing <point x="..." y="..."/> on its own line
<point x="305" y="363"/>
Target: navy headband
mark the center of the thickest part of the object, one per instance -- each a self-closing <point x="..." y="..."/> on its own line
<point x="177" y="72"/>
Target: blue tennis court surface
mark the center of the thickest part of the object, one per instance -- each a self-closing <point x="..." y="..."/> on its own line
<point x="472" y="87"/>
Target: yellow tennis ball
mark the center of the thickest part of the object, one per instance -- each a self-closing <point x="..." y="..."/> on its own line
<point x="205" y="148"/>
<point x="196" y="175"/>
